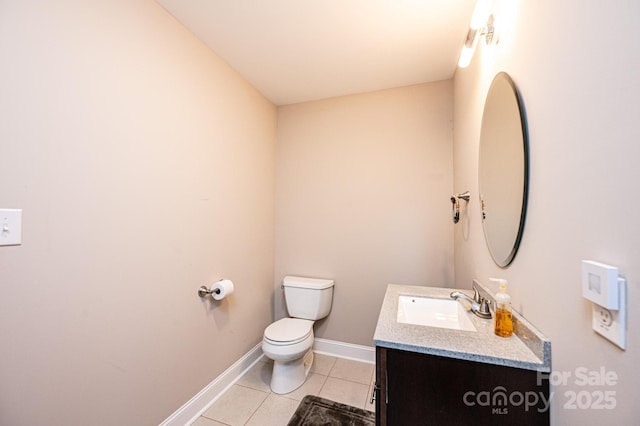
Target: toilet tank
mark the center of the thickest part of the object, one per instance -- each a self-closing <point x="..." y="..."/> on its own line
<point x="308" y="298"/>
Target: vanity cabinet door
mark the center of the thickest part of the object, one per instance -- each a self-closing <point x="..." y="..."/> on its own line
<point x="419" y="389"/>
<point x="381" y="386"/>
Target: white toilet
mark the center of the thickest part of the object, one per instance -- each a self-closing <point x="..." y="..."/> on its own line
<point x="288" y="341"/>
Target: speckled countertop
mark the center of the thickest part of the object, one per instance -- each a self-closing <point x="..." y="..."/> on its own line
<point x="527" y="348"/>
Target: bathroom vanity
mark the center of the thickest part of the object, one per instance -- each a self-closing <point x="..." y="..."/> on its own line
<point x="444" y="373"/>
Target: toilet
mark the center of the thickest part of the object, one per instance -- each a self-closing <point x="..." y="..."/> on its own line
<point x="288" y="341"/>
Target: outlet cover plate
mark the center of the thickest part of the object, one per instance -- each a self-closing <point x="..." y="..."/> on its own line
<point x="611" y="324"/>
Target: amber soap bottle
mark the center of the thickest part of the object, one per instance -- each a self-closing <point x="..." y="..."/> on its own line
<point x="503" y="313"/>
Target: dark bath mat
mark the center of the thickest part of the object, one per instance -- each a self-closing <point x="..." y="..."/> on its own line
<point x="316" y="411"/>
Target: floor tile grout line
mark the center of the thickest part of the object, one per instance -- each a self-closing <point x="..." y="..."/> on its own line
<point x="252" y="388"/>
<point x="324" y="383"/>
<point x="257" y="408"/>
<point x="215" y="420"/>
<point x="351" y="381"/>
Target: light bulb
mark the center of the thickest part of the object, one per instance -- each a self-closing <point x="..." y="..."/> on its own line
<point x="469" y="48"/>
<point x="465" y="56"/>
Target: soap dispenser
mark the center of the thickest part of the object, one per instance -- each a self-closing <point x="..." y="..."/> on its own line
<point x="503" y="315"/>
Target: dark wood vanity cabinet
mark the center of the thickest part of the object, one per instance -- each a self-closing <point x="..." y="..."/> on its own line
<point x="419" y="389"/>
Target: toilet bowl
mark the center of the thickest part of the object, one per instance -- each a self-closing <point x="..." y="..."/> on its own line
<point x="288" y="341"/>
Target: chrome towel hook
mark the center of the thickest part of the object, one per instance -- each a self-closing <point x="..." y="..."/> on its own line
<point x="455" y="204"/>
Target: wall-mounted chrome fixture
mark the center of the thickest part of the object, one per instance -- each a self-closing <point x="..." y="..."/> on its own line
<point x="455" y="201"/>
<point x="482" y="25"/>
<point x="203" y="291"/>
<point x="218" y="290"/>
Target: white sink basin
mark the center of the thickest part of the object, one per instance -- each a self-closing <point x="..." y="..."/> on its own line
<point x="433" y="312"/>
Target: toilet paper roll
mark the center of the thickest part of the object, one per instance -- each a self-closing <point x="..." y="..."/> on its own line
<point x="222" y="289"/>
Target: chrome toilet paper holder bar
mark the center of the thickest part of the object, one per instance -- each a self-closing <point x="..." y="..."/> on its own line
<point x="203" y="291"/>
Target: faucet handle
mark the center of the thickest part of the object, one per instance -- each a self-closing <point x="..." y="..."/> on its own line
<point x="484" y="308"/>
<point x="476" y="295"/>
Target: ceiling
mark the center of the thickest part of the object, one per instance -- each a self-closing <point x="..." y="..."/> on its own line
<point x="300" y="50"/>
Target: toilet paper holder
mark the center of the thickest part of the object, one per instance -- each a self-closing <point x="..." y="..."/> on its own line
<point x="203" y="291"/>
<point x="218" y="291"/>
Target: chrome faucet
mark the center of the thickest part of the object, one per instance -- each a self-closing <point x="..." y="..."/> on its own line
<point x="479" y="305"/>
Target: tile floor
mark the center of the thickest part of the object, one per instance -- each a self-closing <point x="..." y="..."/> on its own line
<point x="251" y="402"/>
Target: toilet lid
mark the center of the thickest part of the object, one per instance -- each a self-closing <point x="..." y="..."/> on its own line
<point x="288" y="330"/>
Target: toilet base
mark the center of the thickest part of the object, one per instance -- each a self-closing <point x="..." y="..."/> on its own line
<point x="288" y="376"/>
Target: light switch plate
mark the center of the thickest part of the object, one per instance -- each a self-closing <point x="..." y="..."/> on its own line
<point x="612" y="324"/>
<point x="600" y="284"/>
<point x="10" y="227"/>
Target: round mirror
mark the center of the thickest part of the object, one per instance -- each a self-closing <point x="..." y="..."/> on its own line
<point x="503" y="170"/>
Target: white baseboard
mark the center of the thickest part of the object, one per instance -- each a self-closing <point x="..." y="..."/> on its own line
<point x="197" y="405"/>
<point x="345" y="350"/>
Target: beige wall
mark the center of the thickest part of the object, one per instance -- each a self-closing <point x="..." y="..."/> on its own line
<point x="362" y="196"/>
<point x="145" y="168"/>
<point x="580" y="90"/>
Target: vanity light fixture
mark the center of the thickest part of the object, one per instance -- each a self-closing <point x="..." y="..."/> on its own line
<point x="482" y="24"/>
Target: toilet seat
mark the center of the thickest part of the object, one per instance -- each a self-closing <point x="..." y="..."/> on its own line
<point x="288" y="331"/>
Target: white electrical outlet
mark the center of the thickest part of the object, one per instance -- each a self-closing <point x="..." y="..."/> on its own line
<point x="10" y="227"/>
<point x="613" y="324"/>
